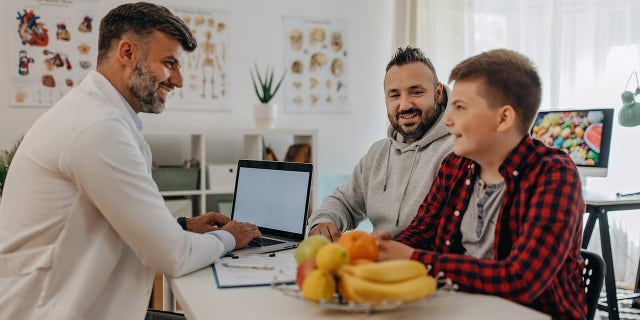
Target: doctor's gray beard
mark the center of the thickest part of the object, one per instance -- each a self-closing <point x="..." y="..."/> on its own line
<point x="143" y="85"/>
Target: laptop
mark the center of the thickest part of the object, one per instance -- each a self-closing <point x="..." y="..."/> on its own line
<point x="275" y="197"/>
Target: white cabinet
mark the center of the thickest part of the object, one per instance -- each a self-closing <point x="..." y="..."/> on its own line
<point x="224" y="148"/>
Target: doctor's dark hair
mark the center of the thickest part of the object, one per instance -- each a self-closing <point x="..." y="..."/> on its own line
<point x="141" y="19"/>
<point x="508" y="78"/>
<point x="408" y="55"/>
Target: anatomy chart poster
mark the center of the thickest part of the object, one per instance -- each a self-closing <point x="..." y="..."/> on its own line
<point x="316" y="58"/>
<point x="204" y="71"/>
<point x="52" y="46"/>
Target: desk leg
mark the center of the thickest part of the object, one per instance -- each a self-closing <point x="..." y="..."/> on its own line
<point x="636" y="302"/>
<point x="588" y="228"/>
<point x="610" y="279"/>
<point x="168" y="301"/>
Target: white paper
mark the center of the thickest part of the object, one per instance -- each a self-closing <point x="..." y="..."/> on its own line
<point x="284" y="270"/>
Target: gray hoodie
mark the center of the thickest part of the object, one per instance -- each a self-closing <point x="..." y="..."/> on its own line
<point x="389" y="183"/>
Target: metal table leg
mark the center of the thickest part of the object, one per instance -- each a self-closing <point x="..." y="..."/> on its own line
<point x="588" y="228"/>
<point x="610" y="279"/>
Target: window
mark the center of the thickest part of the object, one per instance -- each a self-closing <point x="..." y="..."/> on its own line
<point x="585" y="51"/>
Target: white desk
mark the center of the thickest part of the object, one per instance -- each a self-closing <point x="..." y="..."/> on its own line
<point x="598" y="206"/>
<point x="201" y="299"/>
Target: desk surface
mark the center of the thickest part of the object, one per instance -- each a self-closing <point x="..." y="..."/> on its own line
<point x="608" y="199"/>
<point x="201" y="299"/>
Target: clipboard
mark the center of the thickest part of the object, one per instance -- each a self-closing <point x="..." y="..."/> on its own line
<point x="255" y="270"/>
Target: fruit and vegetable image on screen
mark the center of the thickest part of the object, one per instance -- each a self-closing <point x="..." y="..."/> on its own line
<point x="578" y="133"/>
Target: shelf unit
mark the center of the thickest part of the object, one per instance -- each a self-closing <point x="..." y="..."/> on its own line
<point x="252" y="147"/>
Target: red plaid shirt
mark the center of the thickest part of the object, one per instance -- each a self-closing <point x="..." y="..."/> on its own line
<point x="536" y="256"/>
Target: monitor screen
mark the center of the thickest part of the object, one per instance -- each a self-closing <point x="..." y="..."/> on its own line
<point x="584" y="134"/>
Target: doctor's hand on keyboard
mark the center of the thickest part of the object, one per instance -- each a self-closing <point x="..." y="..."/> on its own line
<point x="243" y="232"/>
<point x="207" y="222"/>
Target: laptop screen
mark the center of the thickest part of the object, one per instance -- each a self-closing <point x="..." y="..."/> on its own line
<point x="273" y="195"/>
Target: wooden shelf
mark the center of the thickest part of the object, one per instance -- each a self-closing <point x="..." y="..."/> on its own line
<point x="252" y="146"/>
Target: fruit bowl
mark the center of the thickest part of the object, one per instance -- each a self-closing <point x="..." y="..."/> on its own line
<point x="338" y="304"/>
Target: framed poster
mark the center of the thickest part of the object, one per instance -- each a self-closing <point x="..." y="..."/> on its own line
<point x="204" y="70"/>
<point x="316" y="58"/>
<point x="52" y="46"/>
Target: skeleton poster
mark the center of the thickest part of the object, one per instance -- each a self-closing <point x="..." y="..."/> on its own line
<point x="316" y="59"/>
<point x="52" y="46"/>
<point x="204" y="71"/>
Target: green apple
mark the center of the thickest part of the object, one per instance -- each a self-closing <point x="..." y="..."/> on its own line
<point x="309" y="247"/>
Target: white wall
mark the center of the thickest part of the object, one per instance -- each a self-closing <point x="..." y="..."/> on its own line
<point x="256" y="36"/>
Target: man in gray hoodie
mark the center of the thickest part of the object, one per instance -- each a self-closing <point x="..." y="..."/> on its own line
<point x="394" y="176"/>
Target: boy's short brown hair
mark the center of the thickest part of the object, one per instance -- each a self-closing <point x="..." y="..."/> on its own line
<point x="509" y="77"/>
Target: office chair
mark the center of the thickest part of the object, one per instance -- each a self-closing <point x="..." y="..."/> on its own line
<point x="593" y="278"/>
<point x="163" y="315"/>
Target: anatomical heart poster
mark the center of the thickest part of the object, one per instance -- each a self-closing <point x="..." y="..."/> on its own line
<point x="317" y="65"/>
<point x="52" y="46"/>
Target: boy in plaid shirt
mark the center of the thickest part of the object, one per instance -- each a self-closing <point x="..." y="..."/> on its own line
<point x="504" y="215"/>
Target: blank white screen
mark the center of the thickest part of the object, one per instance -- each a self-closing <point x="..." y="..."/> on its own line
<point x="274" y="199"/>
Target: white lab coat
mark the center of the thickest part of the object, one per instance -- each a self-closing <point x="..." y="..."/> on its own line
<point x="83" y="227"/>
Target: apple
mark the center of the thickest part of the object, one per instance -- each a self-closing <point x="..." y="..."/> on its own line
<point x="309" y="247"/>
<point x="304" y="269"/>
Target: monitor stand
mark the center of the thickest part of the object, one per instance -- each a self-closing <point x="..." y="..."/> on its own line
<point x="583" y="182"/>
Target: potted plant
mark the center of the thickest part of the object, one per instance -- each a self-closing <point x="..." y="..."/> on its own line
<point x="5" y="160"/>
<point x="265" y="113"/>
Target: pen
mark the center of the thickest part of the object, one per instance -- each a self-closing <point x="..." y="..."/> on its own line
<point x="247" y="266"/>
<point x="620" y="195"/>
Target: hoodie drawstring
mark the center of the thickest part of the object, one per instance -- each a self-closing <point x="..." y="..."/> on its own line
<point x="386" y="171"/>
<point x="406" y="187"/>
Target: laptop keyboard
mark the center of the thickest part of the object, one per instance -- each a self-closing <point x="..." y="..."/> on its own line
<point x="264" y="242"/>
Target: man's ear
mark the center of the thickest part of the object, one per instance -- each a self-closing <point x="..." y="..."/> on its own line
<point x="439" y="94"/>
<point x="126" y="52"/>
<point x="507" y="118"/>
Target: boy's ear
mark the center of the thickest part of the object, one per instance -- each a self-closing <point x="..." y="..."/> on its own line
<point x="507" y="118"/>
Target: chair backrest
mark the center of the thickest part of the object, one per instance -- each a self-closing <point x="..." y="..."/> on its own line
<point x="163" y="315"/>
<point x="593" y="278"/>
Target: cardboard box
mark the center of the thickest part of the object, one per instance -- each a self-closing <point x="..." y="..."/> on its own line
<point x="222" y="177"/>
<point x="175" y="178"/>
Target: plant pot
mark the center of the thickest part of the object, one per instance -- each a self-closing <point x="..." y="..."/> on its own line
<point x="265" y="115"/>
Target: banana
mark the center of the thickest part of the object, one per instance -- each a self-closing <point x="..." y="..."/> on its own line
<point x="346" y="290"/>
<point x="363" y="291"/>
<point x="387" y="271"/>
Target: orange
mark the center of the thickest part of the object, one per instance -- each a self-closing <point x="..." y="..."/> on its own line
<point x="360" y="245"/>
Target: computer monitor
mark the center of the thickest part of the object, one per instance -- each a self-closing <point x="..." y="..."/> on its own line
<point x="584" y="134"/>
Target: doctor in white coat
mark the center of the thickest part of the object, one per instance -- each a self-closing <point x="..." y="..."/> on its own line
<point x="83" y="227"/>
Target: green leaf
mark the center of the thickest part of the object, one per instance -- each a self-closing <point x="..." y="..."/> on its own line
<point x="5" y="160"/>
<point x="265" y="83"/>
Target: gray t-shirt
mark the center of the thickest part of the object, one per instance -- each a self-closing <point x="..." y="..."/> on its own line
<point x="478" y="224"/>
